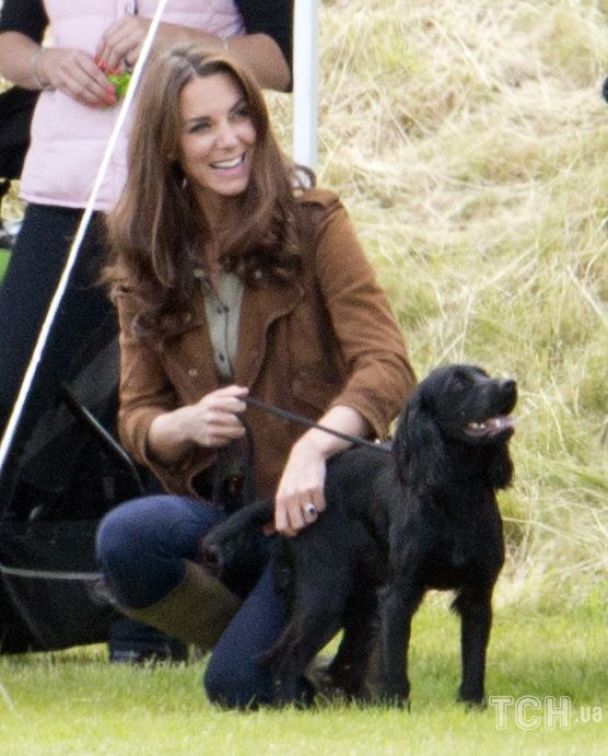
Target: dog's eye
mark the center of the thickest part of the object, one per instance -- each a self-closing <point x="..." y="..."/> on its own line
<point x="459" y="382"/>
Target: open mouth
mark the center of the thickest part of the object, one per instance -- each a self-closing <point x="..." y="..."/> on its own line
<point x="490" y="427"/>
<point x="226" y="165"/>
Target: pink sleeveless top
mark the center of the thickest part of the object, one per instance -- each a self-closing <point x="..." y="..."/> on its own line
<point x="68" y="138"/>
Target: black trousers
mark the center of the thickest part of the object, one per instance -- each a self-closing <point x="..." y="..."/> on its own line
<point x="37" y="262"/>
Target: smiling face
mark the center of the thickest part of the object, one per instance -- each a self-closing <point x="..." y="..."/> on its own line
<point x="217" y="139"/>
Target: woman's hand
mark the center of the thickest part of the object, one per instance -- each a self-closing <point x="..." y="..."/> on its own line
<point x="300" y="497"/>
<point x="212" y="422"/>
<point x="76" y="74"/>
<point x="120" y="47"/>
<point x="121" y="43"/>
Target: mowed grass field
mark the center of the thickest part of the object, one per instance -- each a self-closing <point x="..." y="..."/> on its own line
<point x="546" y="672"/>
<point x="468" y="141"/>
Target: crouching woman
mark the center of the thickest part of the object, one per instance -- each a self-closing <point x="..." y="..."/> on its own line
<point x="233" y="276"/>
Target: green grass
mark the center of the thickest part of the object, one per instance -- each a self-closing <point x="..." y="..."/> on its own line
<point x="75" y="703"/>
<point x="468" y="142"/>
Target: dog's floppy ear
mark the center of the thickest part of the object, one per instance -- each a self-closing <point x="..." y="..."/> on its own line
<point x="419" y="448"/>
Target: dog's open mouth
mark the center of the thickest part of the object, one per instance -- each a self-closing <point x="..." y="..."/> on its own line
<point x="490" y="427"/>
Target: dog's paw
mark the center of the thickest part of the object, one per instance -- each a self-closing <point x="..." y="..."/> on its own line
<point x="396" y="695"/>
<point x="394" y="702"/>
<point x="473" y="701"/>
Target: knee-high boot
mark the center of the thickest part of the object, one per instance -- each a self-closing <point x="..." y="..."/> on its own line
<point x="196" y="611"/>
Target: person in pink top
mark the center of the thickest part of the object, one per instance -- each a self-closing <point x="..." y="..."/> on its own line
<point x="72" y="123"/>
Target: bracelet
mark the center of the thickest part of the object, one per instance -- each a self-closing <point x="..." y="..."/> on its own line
<point x="34" y="69"/>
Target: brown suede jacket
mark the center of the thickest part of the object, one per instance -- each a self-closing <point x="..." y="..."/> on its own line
<point x="327" y="339"/>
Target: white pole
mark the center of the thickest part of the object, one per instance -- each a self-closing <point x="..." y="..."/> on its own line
<point x="305" y="81"/>
<point x="30" y="373"/>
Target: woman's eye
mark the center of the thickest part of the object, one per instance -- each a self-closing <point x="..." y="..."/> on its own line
<point x="242" y="113"/>
<point x="196" y="128"/>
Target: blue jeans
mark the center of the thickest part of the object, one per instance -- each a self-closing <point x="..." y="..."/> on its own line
<point x="155" y="535"/>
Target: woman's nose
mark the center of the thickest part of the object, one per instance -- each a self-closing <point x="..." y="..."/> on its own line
<point x="226" y="135"/>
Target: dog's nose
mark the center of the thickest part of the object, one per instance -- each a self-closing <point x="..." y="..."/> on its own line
<point x="508" y="387"/>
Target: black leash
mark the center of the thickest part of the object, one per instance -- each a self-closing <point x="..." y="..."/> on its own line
<point x="300" y="420"/>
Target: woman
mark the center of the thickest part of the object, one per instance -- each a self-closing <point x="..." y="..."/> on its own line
<point x="231" y="279"/>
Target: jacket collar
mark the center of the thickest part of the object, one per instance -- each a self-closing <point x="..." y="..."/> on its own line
<point x="261" y="307"/>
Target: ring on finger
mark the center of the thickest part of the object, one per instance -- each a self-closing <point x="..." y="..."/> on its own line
<point x="310" y="509"/>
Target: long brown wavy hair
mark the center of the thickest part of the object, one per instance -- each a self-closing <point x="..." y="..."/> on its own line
<point x="158" y="230"/>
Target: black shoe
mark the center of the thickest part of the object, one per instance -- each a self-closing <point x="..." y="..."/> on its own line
<point x="131" y="642"/>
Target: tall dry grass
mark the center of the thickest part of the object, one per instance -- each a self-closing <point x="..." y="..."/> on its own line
<point x="469" y="141"/>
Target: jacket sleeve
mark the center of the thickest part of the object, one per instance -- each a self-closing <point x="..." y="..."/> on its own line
<point x="146" y="392"/>
<point x="371" y="343"/>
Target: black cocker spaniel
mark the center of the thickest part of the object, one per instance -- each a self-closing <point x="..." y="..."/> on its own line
<point x="419" y="514"/>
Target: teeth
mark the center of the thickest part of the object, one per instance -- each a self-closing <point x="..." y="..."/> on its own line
<point x="228" y="163"/>
<point x="491" y="424"/>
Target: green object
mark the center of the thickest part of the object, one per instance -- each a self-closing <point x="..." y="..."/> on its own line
<point x="4" y="258"/>
<point x="120" y="82"/>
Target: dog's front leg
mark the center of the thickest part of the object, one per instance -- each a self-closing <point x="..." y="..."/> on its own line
<point x="474" y="604"/>
<point x="399" y="602"/>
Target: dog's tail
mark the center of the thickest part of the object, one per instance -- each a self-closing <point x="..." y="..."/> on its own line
<point x="222" y="543"/>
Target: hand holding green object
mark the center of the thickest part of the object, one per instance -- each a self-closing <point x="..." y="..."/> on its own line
<point x="120" y="82"/>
